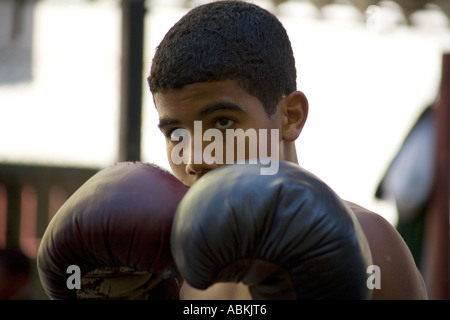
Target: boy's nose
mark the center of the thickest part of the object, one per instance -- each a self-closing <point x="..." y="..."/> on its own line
<point x="196" y="162"/>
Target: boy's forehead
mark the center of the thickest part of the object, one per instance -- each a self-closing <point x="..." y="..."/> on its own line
<point x="201" y="93"/>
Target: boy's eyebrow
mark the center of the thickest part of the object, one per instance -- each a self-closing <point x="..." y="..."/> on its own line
<point x="205" y="111"/>
<point x="167" y="122"/>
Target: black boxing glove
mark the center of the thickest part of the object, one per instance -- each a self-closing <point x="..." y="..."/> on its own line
<point x="286" y="236"/>
<point x="116" y="229"/>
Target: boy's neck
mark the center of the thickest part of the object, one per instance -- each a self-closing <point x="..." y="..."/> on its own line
<point x="289" y="152"/>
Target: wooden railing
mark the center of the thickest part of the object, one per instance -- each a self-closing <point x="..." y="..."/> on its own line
<point x="30" y="195"/>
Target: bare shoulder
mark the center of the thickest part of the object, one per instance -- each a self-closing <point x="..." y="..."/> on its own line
<point x="400" y="278"/>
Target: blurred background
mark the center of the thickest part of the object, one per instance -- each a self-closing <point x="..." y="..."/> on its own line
<point x="74" y="99"/>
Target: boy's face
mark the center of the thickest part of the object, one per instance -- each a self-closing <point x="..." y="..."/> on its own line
<point x="224" y="106"/>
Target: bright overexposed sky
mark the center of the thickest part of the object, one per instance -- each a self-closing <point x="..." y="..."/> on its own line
<point x="366" y="83"/>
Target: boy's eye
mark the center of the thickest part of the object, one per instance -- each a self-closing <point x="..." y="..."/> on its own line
<point x="176" y="134"/>
<point x="223" y="123"/>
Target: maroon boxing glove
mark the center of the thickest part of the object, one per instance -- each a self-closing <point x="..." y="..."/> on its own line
<point x="115" y="231"/>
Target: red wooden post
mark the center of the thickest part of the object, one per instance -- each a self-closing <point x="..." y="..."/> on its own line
<point x="437" y="237"/>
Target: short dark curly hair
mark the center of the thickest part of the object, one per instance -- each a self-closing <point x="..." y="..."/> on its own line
<point x="227" y="40"/>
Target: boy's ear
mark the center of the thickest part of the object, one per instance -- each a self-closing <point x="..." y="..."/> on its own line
<point x="294" y="111"/>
